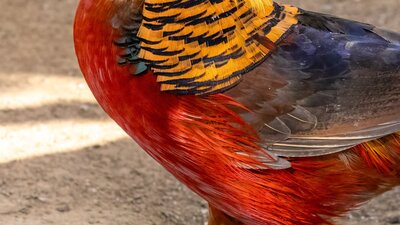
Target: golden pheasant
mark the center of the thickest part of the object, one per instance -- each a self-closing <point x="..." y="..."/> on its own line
<point x="273" y="114"/>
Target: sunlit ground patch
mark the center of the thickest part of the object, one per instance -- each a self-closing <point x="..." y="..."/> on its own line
<point x="32" y="137"/>
<point x="30" y="90"/>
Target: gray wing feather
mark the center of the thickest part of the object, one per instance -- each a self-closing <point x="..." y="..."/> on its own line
<point x="325" y="91"/>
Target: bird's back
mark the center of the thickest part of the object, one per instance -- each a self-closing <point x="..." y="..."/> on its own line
<point x="330" y="84"/>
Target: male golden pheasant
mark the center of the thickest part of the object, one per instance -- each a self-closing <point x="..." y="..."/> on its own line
<point x="273" y="114"/>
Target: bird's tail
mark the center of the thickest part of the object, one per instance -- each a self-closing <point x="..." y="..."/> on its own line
<point x="382" y="154"/>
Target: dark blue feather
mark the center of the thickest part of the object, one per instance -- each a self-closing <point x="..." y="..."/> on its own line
<point x="331" y="84"/>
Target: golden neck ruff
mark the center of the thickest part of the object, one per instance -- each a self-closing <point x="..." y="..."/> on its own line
<point x="205" y="46"/>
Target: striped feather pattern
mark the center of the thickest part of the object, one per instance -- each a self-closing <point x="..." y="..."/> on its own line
<point x="204" y="46"/>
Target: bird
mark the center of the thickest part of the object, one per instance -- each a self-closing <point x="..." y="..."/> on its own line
<point x="273" y="114"/>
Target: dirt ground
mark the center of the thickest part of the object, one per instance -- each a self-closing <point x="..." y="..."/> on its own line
<point x="62" y="161"/>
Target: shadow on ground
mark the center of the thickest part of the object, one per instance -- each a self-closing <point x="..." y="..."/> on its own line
<point x="113" y="184"/>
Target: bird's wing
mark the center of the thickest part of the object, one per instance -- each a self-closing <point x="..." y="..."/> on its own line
<point x="203" y="47"/>
<point x="330" y="85"/>
<point x="316" y="84"/>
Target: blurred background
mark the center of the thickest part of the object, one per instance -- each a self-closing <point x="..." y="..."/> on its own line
<point x="63" y="161"/>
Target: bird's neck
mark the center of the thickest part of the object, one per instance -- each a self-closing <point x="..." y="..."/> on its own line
<point x="258" y="5"/>
<point x="119" y="93"/>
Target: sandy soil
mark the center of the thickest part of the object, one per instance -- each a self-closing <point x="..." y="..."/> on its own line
<point x="62" y="161"/>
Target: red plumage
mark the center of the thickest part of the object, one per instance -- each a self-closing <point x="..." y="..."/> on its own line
<point x="197" y="138"/>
